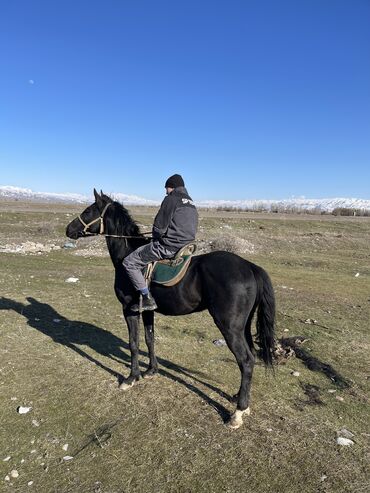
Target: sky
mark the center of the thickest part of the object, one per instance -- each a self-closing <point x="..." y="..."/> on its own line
<point x="246" y="99"/>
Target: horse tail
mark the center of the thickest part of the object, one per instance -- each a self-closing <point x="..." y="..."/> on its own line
<point x="265" y="317"/>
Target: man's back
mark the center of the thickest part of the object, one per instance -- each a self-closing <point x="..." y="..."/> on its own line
<point x="177" y="220"/>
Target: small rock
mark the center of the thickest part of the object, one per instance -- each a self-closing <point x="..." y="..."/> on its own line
<point x="310" y="321"/>
<point x="72" y="279"/>
<point x="331" y="391"/>
<point x="65" y="447"/>
<point x="7" y="459"/>
<point x="35" y="423"/>
<point x="23" y="461"/>
<point x="7" y="478"/>
<point x="56" y="320"/>
<point x="345" y="433"/>
<point x="13" y="398"/>
<point x="14" y="474"/>
<point x="67" y="457"/>
<point x="23" y="409"/>
<point x="339" y="398"/>
<point x="357" y="275"/>
<point x="69" y="244"/>
<point x="269" y="430"/>
<point x="30" y="483"/>
<point x="345" y="442"/>
<point x="286" y="330"/>
<point x="323" y="477"/>
<point x="33" y="451"/>
<point x="295" y="373"/>
<point x="219" y="342"/>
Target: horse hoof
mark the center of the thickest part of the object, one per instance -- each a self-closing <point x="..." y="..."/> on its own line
<point x="126" y="386"/>
<point x="236" y="419"/>
<point x="150" y="374"/>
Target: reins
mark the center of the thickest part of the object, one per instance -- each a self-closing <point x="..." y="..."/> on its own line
<point x="87" y="233"/>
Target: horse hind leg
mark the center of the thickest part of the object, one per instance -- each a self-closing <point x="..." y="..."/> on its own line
<point x="245" y="361"/>
<point x="235" y="338"/>
<point x="248" y="336"/>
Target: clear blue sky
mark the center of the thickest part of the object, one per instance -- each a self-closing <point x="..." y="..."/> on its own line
<point x="246" y="99"/>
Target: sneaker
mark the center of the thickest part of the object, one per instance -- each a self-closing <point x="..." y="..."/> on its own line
<point x="146" y="303"/>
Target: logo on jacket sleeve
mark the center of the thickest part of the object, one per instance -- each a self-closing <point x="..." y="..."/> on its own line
<point x="187" y="201"/>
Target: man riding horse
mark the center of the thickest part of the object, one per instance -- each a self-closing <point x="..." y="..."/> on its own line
<point x="174" y="226"/>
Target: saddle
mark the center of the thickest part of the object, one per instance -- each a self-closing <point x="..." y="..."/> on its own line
<point x="169" y="272"/>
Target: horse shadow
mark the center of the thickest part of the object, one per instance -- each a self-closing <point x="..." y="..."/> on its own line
<point x="73" y="334"/>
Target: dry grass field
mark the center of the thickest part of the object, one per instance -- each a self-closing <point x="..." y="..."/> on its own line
<point x="64" y="346"/>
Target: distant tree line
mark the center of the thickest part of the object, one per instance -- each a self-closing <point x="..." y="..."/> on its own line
<point x="345" y="211"/>
<point x="281" y="209"/>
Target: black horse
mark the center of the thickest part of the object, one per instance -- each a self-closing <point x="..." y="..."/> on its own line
<point x="228" y="286"/>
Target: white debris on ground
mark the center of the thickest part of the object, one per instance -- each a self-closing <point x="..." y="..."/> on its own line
<point x="72" y="279"/>
<point x="67" y="457"/>
<point x="219" y="342"/>
<point x="29" y="247"/>
<point x="23" y="409"/>
<point x="345" y="442"/>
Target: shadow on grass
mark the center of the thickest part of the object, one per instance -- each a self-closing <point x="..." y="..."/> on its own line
<point x="313" y="363"/>
<point x="74" y="333"/>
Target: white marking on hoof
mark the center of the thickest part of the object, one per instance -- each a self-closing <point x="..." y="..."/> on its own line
<point x="126" y="386"/>
<point x="236" y="419"/>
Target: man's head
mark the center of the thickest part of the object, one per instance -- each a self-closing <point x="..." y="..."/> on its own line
<point x="173" y="182"/>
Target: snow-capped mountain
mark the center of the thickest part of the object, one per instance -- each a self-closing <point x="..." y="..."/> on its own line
<point x="327" y="205"/>
<point x="16" y="193"/>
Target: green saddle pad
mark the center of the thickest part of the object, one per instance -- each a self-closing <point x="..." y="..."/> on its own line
<point x="170" y="273"/>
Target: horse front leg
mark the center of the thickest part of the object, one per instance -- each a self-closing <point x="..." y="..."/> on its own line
<point x="133" y="322"/>
<point x="148" y="319"/>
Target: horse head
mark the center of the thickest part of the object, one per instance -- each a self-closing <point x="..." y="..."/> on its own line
<point x="91" y="220"/>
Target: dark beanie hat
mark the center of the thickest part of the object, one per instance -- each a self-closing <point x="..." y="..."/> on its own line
<point x="174" y="181"/>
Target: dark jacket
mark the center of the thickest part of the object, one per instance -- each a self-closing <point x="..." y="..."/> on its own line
<point x="176" y="223"/>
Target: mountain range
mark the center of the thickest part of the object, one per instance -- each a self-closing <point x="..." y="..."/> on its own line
<point x="301" y="203"/>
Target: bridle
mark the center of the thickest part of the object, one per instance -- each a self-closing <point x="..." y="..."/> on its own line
<point x="100" y="218"/>
<point x="101" y="231"/>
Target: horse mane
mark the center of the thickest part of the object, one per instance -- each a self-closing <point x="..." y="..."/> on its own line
<point x="122" y="220"/>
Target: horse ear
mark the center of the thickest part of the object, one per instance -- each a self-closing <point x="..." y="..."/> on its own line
<point x="98" y="199"/>
<point x="105" y="197"/>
